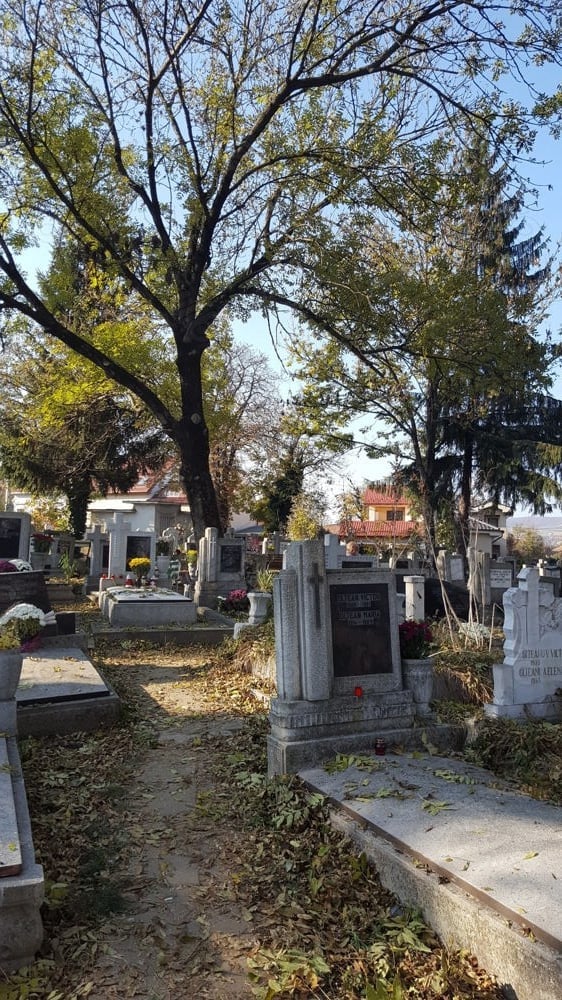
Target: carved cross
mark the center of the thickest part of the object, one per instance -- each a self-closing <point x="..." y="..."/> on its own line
<point x="315" y="580"/>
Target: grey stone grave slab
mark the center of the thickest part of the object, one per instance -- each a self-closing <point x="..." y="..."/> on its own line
<point x="501" y="847"/>
<point x="10" y="850"/>
<point x="59" y="674"/>
<point x="60" y="691"/>
<point x="126" y="606"/>
<point x="21" y="894"/>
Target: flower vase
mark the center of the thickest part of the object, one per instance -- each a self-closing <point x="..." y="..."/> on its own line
<point x="39" y="560"/>
<point x="417" y="676"/>
<point x="11" y="661"/>
<point x="259" y="603"/>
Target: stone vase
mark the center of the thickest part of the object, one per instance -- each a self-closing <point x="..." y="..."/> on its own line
<point x="259" y="603"/>
<point x="39" y="560"/>
<point x="11" y="661"/>
<point x="417" y="676"/>
<point x="163" y="564"/>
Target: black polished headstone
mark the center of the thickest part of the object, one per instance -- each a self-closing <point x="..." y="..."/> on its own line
<point x="361" y="640"/>
<point x="230" y="559"/>
<point x="10" y="529"/>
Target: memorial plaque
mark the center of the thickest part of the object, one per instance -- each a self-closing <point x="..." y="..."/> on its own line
<point x="361" y="639"/>
<point x="138" y="547"/>
<point x="230" y="559"/>
<point x="10" y="528"/>
<point x="500" y="579"/>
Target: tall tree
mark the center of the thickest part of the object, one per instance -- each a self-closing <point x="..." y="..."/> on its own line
<point x="490" y="216"/>
<point x="190" y="149"/>
<point x="426" y="344"/>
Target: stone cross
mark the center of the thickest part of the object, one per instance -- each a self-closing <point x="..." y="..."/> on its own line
<point x="315" y="580"/>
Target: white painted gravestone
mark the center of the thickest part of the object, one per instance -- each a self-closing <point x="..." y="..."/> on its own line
<point x="527" y="682"/>
<point x="339" y="680"/>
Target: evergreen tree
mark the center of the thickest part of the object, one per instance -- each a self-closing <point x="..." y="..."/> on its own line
<point x="489" y="430"/>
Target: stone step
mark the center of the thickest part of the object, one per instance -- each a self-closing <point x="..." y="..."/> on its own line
<point x="10" y="848"/>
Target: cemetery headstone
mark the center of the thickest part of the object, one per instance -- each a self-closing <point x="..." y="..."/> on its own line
<point x="501" y="579"/>
<point x="221" y="567"/>
<point x="550" y="574"/>
<point x="15" y="532"/>
<point x="24" y="588"/>
<point x="450" y="566"/>
<point x="528" y="682"/>
<point x="339" y="681"/>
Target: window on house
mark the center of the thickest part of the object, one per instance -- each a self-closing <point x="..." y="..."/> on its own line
<point x="395" y="515"/>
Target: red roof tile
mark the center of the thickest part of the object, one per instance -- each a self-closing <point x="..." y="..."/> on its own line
<point x="375" y="529"/>
<point x="377" y="498"/>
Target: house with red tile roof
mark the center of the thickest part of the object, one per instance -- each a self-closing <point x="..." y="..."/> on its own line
<point x="388" y="520"/>
<point x="157" y="501"/>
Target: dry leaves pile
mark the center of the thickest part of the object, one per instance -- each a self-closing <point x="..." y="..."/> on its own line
<point x="302" y="915"/>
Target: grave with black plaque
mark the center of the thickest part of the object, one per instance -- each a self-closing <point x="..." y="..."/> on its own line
<point x="15" y="531"/>
<point x="220" y="567"/>
<point x="339" y="681"/>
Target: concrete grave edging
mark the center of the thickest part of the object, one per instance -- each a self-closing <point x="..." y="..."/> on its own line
<point x="528" y="969"/>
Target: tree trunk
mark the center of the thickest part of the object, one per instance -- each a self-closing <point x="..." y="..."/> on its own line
<point x="192" y="439"/>
<point x="465" y="498"/>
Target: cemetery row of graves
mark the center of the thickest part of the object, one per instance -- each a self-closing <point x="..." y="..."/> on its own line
<point x="353" y="671"/>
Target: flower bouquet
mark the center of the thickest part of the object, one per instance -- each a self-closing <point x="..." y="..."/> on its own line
<point x="236" y="603"/>
<point x="41" y="542"/>
<point x="20" y="628"/>
<point x="140" y="565"/>
<point x="416" y="638"/>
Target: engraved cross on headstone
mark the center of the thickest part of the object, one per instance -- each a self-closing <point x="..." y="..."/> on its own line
<point x="315" y="580"/>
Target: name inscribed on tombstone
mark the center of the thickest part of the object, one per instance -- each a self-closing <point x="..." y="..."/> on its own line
<point x="539" y="665"/>
<point x="230" y="558"/>
<point x="500" y="579"/>
<point x="361" y="641"/>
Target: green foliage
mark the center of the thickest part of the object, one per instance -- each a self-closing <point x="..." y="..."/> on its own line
<point x="63" y="432"/>
<point x="264" y="580"/>
<point x="305" y="519"/>
<point x="274" y="508"/>
<point x="171" y="218"/>
<point x="527" y="545"/>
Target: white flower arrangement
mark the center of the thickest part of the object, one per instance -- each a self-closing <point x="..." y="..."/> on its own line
<point x="22" y="623"/>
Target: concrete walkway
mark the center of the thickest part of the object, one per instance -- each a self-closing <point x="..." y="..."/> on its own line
<point x="482" y="862"/>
